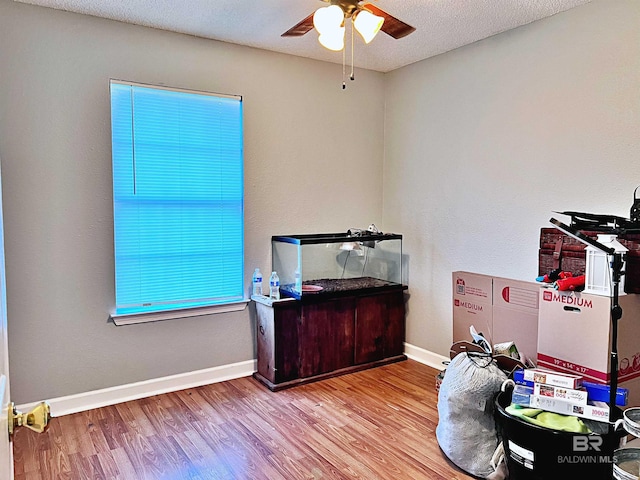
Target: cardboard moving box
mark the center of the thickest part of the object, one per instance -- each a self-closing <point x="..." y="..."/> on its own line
<point x="574" y="336"/>
<point x="502" y="309"/>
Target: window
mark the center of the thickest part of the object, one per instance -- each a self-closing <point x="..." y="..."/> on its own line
<point x="178" y="198"/>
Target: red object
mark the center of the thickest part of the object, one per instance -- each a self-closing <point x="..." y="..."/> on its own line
<point x="570" y="283"/>
<point x="553" y="276"/>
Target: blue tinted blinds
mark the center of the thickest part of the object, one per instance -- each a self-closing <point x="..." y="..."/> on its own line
<point x="178" y="198"/>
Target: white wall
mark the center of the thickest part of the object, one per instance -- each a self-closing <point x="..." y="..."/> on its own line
<point x="484" y="143"/>
<point x="480" y="146"/>
<point x="313" y="163"/>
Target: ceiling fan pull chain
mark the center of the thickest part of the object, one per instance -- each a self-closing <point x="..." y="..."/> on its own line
<point x="352" y="77"/>
<point x="344" y="84"/>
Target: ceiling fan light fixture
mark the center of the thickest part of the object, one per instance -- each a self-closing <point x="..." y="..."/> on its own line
<point x="327" y="19"/>
<point x="367" y="24"/>
<point x="333" y="39"/>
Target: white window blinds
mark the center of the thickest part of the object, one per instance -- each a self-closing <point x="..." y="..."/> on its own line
<point x="178" y="198"/>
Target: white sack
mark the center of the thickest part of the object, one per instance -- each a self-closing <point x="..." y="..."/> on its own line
<point x="466" y="429"/>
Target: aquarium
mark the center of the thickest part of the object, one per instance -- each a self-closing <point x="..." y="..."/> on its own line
<point x="329" y="262"/>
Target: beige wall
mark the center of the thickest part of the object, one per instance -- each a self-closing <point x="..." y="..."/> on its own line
<point x="467" y="154"/>
<point x="484" y="143"/>
<point x="313" y="163"/>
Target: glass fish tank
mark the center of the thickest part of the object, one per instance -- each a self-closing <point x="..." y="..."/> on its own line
<point x="312" y="264"/>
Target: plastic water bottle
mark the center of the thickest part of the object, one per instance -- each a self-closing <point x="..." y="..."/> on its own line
<point x="274" y="286"/>
<point x="298" y="280"/>
<point x="257" y="282"/>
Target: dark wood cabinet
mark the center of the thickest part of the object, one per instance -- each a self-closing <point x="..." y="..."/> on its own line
<point x="321" y="336"/>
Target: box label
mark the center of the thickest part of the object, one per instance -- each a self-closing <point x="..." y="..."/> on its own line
<point x="560" y="365"/>
<point x="469" y="290"/>
<point x="520" y="296"/>
<point x="470" y="306"/>
<point x="573" y="300"/>
<point x="629" y="367"/>
<point x="521" y="455"/>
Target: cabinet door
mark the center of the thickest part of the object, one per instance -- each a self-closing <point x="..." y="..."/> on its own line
<point x="326" y="336"/>
<point x="371" y="316"/>
<point x="380" y="327"/>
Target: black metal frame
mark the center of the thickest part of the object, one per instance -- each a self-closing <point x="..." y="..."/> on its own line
<point x="616" y="310"/>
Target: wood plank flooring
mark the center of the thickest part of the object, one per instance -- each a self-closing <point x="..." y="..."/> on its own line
<point x="374" y="424"/>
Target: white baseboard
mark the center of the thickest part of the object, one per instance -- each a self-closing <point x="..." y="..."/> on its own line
<point x="123" y="393"/>
<point x="425" y="356"/>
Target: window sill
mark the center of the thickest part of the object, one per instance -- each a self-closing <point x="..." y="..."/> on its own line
<point x="133" y="318"/>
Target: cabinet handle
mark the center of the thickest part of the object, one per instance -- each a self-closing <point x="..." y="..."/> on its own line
<point x="261" y="330"/>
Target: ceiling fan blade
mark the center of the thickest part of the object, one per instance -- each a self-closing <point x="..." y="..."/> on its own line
<point x="391" y="26"/>
<point x="301" y="28"/>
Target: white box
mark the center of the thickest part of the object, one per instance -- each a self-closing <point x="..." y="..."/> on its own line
<point x="565" y="407"/>
<point x="574" y="336"/>
<point x="569" y="394"/>
<point x="556" y="379"/>
<point x="502" y="309"/>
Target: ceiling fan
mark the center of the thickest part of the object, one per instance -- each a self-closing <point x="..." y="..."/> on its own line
<point x="367" y="20"/>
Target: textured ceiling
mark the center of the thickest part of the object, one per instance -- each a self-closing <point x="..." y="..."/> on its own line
<point x="441" y="25"/>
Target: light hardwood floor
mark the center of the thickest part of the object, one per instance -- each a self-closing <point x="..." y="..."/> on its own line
<point x="374" y="424"/>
